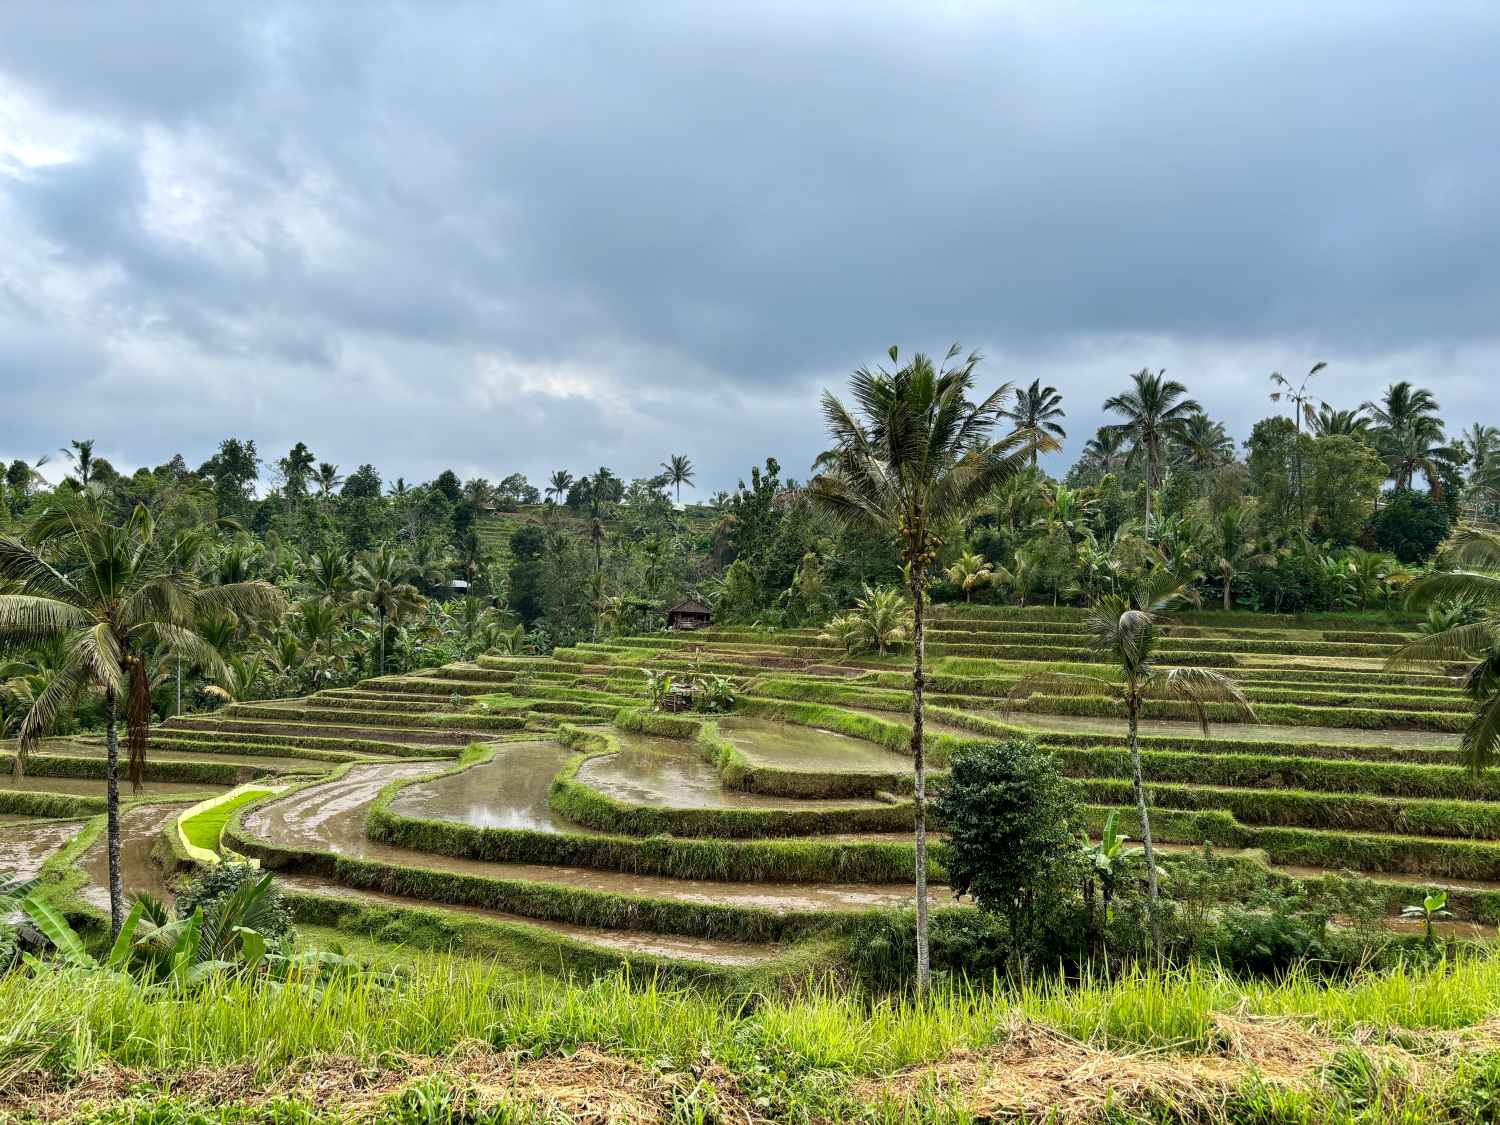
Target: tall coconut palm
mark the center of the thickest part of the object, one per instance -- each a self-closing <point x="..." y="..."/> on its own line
<point x="327" y="478"/>
<point x="1409" y="435"/>
<point x="558" y="485"/>
<point x="1477" y="552"/>
<point x="1480" y="444"/>
<point x="115" y="595"/>
<point x="80" y="454"/>
<point x="1126" y="629"/>
<point x="1202" y="444"/>
<point x="1328" y="422"/>
<point x="381" y="584"/>
<point x="913" y="456"/>
<point x="679" y="472"/>
<point x="1036" y="408"/>
<point x="1155" y="410"/>
<point x="1104" y="452"/>
<point x="1235" y="548"/>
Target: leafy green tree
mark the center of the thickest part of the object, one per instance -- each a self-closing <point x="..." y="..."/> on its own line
<point x="364" y="484"/>
<point x="1343" y="479"/>
<point x="296" y="469"/>
<point x="1235" y="549"/>
<point x="114" y="595"/>
<point x="1007" y="810"/>
<point x="918" y="456"/>
<point x="1127" y="631"/>
<point x="233" y="470"/>
<point x="1036" y="409"/>
<point x="679" y="472"/>
<point x="1155" y="409"/>
<point x="1411" y="526"/>
<point x="1272" y="463"/>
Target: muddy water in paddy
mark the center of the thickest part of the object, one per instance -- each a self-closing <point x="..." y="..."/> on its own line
<point x="330" y="817"/>
<point x="25" y="847"/>
<point x="791" y="746"/>
<point x="671" y="773"/>
<point x="138" y="831"/>
<point x="508" y="792"/>
<point x="625" y="941"/>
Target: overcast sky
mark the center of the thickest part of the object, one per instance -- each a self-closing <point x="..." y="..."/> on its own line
<point x="497" y="237"/>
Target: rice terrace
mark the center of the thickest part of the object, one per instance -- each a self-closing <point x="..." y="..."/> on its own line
<point x="599" y="679"/>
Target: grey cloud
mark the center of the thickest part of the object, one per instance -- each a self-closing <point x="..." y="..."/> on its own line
<point x="716" y="210"/>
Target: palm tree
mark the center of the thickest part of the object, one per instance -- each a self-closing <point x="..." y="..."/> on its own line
<point x="1236" y="548"/>
<point x="381" y="584"/>
<point x="1480" y="444"/>
<point x="1328" y="422"/>
<point x="559" y="484"/>
<point x="1035" y="408"/>
<point x="1154" y="410"/>
<point x="679" y="471"/>
<point x="968" y="572"/>
<point x="1203" y="444"/>
<point x="1478" y="553"/>
<point x="1127" y="630"/>
<point x="916" y="457"/>
<point x="1105" y="451"/>
<point x="1298" y="396"/>
<point x="115" y="596"/>
<point x="80" y="454"/>
<point x="327" y="478"/>
<point x="1409" y="435"/>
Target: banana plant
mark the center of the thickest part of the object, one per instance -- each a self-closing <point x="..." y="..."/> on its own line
<point x="1432" y="908"/>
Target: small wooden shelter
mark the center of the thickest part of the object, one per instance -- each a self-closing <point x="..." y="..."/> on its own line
<point x="689" y="614"/>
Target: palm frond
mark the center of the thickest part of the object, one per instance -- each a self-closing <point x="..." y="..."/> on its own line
<point x="30" y="618"/>
<point x="1200" y="687"/>
<point x="1462" y="642"/>
<point x="1071" y="684"/>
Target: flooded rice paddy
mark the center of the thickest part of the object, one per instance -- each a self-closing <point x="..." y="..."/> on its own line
<point x="792" y="746"/>
<point x="509" y="791"/>
<point x="671" y="773"/>
<point x="28" y="843"/>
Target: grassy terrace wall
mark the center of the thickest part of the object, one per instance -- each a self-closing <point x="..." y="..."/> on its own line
<point x="578" y="802"/>
<point x="770" y="861"/>
<point x="79" y="766"/>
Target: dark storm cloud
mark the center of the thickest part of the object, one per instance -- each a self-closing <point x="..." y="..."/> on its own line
<point x="499" y="238"/>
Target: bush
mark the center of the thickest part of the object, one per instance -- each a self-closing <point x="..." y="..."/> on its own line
<point x="215" y="884"/>
<point x="1006" y="807"/>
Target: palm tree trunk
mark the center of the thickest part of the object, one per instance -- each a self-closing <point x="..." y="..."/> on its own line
<point x="112" y="814"/>
<point x="1227" y="603"/>
<point x="1133" y="707"/>
<point x="919" y="768"/>
<point x="381" y="672"/>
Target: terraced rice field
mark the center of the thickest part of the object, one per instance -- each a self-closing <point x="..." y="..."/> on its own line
<point x="539" y="797"/>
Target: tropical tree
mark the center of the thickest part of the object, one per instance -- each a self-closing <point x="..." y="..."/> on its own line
<point x="1127" y="629"/>
<point x="381" y="584"/>
<point x="558" y="485"/>
<point x="1409" y="434"/>
<point x="1155" y="410"/>
<point x="327" y="478"/>
<point x="1235" y="549"/>
<point x="1036" y="409"/>
<point x="969" y="572"/>
<point x="80" y="454"/>
<point x="1298" y="395"/>
<point x="916" y="456"/>
<point x="679" y="472"/>
<point x="1480" y="443"/>
<point x="1474" y="635"/>
<point x="115" y="596"/>
<point x="1105" y="452"/>
<point x="1202" y="444"/>
<point x="1328" y="422"/>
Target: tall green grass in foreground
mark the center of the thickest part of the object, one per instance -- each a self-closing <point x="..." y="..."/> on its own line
<point x="67" y="1020"/>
